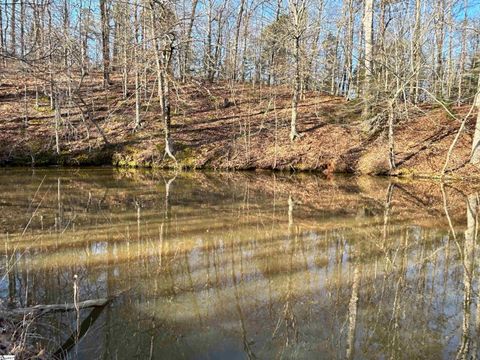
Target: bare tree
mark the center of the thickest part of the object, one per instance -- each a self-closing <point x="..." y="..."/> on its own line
<point x="162" y="22"/>
<point x="13" y="27"/>
<point x="475" y="155"/>
<point x="298" y="14"/>
<point x="187" y="55"/>
<point x="416" y="53"/>
<point x="105" y="24"/>
<point x="368" y="56"/>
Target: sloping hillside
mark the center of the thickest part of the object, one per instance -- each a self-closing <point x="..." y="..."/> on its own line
<point x="221" y="126"/>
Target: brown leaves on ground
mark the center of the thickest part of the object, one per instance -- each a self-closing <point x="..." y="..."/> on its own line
<point x="221" y="126"/>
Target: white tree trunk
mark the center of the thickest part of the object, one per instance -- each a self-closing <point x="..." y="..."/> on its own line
<point x="368" y="61"/>
<point x="475" y="155"/>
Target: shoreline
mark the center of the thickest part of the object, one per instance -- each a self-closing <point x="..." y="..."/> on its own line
<point x="410" y="175"/>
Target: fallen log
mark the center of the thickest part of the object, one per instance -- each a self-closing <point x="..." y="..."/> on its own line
<point x="43" y="309"/>
<point x="62" y="351"/>
<point x="18" y="315"/>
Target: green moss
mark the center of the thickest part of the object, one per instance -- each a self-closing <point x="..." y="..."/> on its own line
<point x="126" y="162"/>
<point x="302" y="166"/>
<point x="129" y="156"/>
<point x="186" y="158"/>
<point x="406" y="172"/>
<point x="159" y="147"/>
<point x="44" y="109"/>
<point x="81" y="159"/>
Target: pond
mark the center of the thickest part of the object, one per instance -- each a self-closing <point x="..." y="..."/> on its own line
<point x="205" y="265"/>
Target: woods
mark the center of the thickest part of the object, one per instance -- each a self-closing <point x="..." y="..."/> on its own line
<point x="391" y="59"/>
<point x="109" y="262"/>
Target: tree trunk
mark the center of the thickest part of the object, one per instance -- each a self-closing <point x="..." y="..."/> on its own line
<point x="439" y="39"/>
<point x="217" y="59"/>
<point x="207" y="61"/>
<point x="187" y="55"/>
<point x="13" y="26"/>
<point x="125" y="54"/>
<point x="415" y="54"/>
<point x="352" y="314"/>
<point x="163" y="56"/>
<point x="136" y="65"/>
<point x="105" y="41"/>
<point x="236" y="40"/>
<point x="391" y="139"/>
<point x="461" y="65"/>
<point x="448" y="78"/>
<point x="50" y="60"/>
<point x="296" y="90"/>
<point x="465" y="347"/>
<point x="368" y="61"/>
<point x="58" y="118"/>
<point x="244" y="50"/>
<point x="333" y="79"/>
<point x="2" y="37"/>
<point x="22" y="27"/>
<point x="349" y="49"/>
<point x="475" y="155"/>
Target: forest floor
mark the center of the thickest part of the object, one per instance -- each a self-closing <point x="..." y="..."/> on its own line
<point x="220" y="126"/>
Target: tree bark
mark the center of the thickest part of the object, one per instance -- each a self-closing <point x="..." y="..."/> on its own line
<point x="439" y="39"/>
<point x="352" y="314"/>
<point x="45" y="309"/>
<point x="475" y="154"/>
<point x="236" y="40"/>
<point x="391" y="139"/>
<point x="58" y="118"/>
<point x="415" y="54"/>
<point x="217" y="61"/>
<point x="163" y="56"/>
<point x="2" y="37"/>
<point x="207" y="60"/>
<point x="368" y="61"/>
<point x="13" y="27"/>
<point x="296" y="90"/>
<point x="136" y="66"/>
<point x="105" y="24"/>
<point x="461" y="65"/>
<point x="22" y="27"/>
<point x="297" y="14"/>
<point x="349" y="48"/>
<point x="187" y="55"/>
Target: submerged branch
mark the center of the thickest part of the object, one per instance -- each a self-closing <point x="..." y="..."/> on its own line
<point x="44" y="309"/>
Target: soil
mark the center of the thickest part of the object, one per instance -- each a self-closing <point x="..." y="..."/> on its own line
<point x="225" y="126"/>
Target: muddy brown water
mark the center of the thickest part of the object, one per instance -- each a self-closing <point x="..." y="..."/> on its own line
<point x="242" y="265"/>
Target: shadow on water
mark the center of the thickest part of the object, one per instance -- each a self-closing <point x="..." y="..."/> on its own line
<point x="223" y="265"/>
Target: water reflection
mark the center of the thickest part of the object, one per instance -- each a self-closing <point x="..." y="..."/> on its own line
<point x="244" y="265"/>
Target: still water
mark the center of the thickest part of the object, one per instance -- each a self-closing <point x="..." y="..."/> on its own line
<point x="242" y="265"/>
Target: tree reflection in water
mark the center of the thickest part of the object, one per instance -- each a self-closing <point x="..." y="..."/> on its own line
<point x="245" y="265"/>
